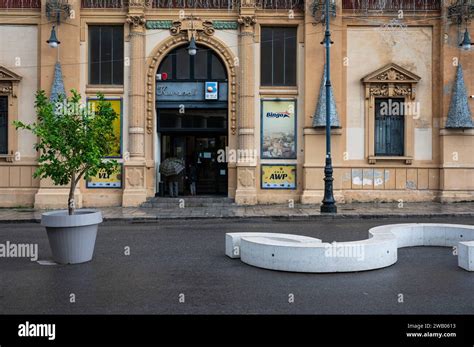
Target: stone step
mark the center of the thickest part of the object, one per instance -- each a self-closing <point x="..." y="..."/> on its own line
<point x="189" y="201"/>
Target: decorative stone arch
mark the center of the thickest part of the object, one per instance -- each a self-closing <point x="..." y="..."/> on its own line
<point x="160" y="52"/>
<point x="227" y="57"/>
<point x="390" y="81"/>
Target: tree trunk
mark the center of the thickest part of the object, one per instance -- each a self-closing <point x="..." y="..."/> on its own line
<point x="70" y="202"/>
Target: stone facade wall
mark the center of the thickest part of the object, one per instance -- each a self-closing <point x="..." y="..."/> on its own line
<point x="441" y="166"/>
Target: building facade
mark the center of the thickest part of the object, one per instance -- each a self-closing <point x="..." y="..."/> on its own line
<point x="247" y="110"/>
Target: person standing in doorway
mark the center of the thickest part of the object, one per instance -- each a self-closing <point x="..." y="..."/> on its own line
<point x="192" y="179"/>
<point x="173" y="185"/>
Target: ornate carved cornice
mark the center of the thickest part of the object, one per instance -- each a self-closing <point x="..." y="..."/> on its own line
<point x="192" y="24"/>
<point x="391" y="80"/>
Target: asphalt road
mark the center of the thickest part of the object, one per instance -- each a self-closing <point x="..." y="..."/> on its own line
<point x="171" y="258"/>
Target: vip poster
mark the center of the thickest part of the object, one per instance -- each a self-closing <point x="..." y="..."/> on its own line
<point x="102" y="180"/>
<point x="278" y="121"/>
<point x="279" y="176"/>
<point x="116" y="150"/>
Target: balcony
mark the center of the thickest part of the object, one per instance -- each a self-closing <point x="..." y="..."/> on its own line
<point x="20" y="4"/>
<point x="391" y="5"/>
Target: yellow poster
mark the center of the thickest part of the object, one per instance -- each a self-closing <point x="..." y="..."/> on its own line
<point x="102" y="180"/>
<point x="116" y="150"/>
<point x="279" y="176"/>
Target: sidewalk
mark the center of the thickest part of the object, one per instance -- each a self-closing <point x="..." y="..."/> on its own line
<point x="299" y="212"/>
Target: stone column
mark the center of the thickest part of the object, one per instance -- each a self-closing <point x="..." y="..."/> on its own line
<point x="246" y="193"/>
<point x="135" y="165"/>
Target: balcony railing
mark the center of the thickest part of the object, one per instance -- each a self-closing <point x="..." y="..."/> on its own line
<point x="391" y="5"/>
<point x="281" y="4"/>
<point x="104" y="3"/>
<point x="202" y="4"/>
<point x="15" y="4"/>
<point x="228" y="4"/>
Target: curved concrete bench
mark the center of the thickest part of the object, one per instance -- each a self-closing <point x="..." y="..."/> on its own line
<point x="233" y="240"/>
<point x="286" y="252"/>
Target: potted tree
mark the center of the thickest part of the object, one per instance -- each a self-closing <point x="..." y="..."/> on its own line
<point x="72" y="141"/>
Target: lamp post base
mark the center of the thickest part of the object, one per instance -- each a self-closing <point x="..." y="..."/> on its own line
<point x="328" y="208"/>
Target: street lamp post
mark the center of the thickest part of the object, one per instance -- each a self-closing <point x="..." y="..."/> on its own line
<point x="328" y="203"/>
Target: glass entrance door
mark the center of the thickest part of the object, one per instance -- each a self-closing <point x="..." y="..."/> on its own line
<point x="202" y="152"/>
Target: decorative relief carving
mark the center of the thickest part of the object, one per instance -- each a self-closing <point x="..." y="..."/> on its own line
<point x="159" y="24"/>
<point x="247" y="21"/>
<point x="136" y="20"/>
<point x="135" y="177"/>
<point x="246" y="178"/>
<point x="6" y="89"/>
<point x="391" y="75"/>
<point x="190" y="24"/>
<point x="8" y="82"/>
<point x="379" y="89"/>
<point x="402" y="89"/>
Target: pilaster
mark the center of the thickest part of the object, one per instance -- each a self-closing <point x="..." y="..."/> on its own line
<point x="246" y="193"/>
<point x="135" y="168"/>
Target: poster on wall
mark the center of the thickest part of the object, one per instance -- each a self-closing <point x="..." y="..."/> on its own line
<point x="278" y="121"/>
<point x="116" y="148"/>
<point x="279" y="176"/>
<point x="102" y="180"/>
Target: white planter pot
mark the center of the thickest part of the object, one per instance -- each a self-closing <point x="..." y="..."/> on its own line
<point x="72" y="238"/>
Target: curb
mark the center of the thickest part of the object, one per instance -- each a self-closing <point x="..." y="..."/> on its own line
<point x="295" y="217"/>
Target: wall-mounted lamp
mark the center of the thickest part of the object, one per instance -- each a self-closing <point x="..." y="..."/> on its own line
<point x="192" y="48"/>
<point x="466" y="42"/>
<point x="461" y="12"/>
<point x="54" y="10"/>
<point x="53" y="41"/>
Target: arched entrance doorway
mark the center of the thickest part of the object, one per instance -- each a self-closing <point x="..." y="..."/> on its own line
<point x="191" y="100"/>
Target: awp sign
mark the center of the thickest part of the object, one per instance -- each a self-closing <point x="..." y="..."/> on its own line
<point x="278" y="176"/>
